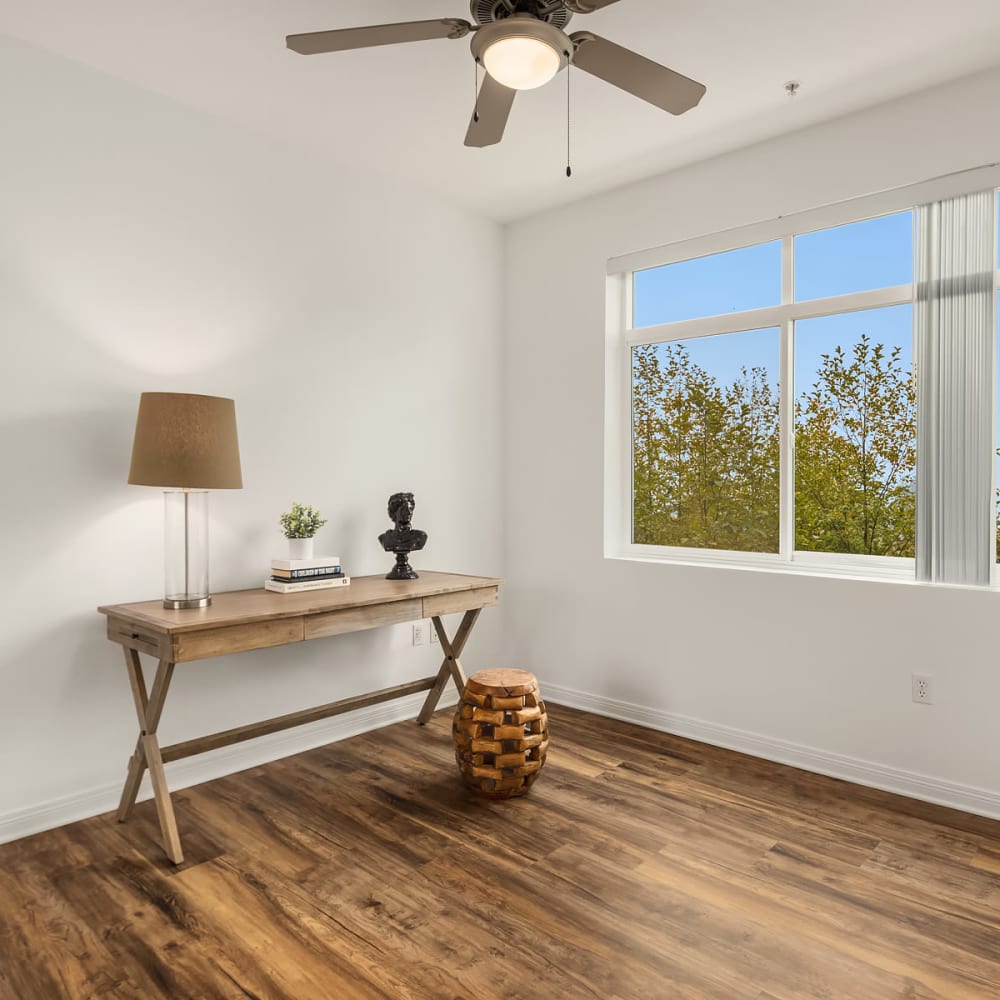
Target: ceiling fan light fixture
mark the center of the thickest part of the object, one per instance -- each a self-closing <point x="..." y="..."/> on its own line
<point x="522" y="63"/>
<point x="521" y="52"/>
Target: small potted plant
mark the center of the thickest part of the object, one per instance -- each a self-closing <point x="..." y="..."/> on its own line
<point x="300" y="524"/>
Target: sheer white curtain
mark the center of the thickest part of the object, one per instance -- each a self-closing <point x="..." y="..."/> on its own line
<point x="955" y="348"/>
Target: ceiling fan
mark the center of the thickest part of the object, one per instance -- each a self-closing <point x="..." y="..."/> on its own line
<point x="522" y="45"/>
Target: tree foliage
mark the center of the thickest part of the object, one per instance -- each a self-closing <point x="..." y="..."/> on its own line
<point x="706" y="455"/>
<point x="855" y="455"/>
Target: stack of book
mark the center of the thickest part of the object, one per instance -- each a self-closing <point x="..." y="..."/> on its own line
<point x="291" y="576"/>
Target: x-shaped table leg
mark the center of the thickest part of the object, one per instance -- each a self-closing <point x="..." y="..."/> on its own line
<point x="451" y="666"/>
<point x="148" y="709"/>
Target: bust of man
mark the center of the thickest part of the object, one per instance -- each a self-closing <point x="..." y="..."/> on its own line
<point x="404" y="538"/>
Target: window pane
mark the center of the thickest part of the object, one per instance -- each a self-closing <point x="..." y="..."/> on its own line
<point x="855" y="433"/>
<point x="748" y="278"/>
<point x="705" y="447"/>
<point x="876" y="253"/>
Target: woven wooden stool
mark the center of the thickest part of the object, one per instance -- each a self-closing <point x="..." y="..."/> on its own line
<point x="501" y="733"/>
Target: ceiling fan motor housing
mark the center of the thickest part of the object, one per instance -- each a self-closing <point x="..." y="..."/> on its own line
<point x="523" y="25"/>
<point x="490" y="11"/>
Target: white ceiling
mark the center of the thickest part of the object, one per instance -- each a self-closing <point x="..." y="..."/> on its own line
<point x="403" y="110"/>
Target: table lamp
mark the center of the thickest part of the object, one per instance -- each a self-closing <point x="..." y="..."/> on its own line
<point x="187" y="445"/>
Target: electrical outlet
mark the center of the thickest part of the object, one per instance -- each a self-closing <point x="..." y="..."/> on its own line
<point x="419" y="633"/>
<point x="921" y="689"/>
<point x="434" y="634"/>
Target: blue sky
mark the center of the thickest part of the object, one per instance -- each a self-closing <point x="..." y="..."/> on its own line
<point x="876" y="253"/>
<point x="872" y="254"/>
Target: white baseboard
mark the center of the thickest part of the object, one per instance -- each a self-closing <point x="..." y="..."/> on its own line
<point x="980" y="801"/>
<point x="194" y="770"/>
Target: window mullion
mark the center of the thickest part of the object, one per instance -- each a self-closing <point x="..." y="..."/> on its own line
<point x="759" y="319"/>
<point x="786" y="542"/>
<point x="708" y="326"/>
<point x="876" y="298"/>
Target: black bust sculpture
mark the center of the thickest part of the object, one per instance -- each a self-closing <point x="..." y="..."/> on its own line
<point x="404" y="538"/>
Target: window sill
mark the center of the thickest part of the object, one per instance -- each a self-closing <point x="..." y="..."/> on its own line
<point x="888" y="570"/>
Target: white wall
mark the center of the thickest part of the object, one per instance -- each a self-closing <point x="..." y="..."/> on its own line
<point x="357" y="324"/>
<point x="810" y="670"/>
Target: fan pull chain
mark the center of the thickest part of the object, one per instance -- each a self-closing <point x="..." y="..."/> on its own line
<point x="475" y="110"/>
<point x="569" y="168"/>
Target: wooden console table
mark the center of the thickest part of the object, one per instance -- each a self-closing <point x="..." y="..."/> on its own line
<point x="257" y="619"/>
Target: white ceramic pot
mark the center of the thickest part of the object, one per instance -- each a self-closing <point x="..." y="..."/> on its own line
<point x="300" y="548"/>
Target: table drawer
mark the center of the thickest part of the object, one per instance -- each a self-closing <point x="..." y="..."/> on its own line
<point x="356" y="619"/>
<point x="236" y="639"/>
<point x="464" y="600"/>
<point x="143" y="640"/>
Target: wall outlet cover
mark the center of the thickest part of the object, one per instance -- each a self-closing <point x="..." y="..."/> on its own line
<point x="921" y="689"/>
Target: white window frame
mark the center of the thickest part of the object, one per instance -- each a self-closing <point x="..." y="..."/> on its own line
<point x="621" y="338"/>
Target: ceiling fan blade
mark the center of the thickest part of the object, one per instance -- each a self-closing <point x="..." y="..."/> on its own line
<point x="638" y="75"/>
<point x="586" y="6"/>
<point x="495" y="102"/>
<point x="314" y="42"/>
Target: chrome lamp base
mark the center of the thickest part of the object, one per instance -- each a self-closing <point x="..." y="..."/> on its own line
<point x="187" y="602"/>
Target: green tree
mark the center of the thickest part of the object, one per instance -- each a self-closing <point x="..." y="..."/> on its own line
<point x="705" y="457"/>
<point x="855" y="454"/>
<point x="753" y="495"/>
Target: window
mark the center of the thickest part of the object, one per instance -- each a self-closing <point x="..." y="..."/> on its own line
<point x="855" y="433"/>
<point x="705" y="442"/>
<point x="770" y="393"/>
<point x="706" y="409"/>
<point x="874" y="253"/>
<point x="746" y="278"/>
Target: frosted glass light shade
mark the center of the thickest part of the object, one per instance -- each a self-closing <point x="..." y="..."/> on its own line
<point x="522" y="63"/>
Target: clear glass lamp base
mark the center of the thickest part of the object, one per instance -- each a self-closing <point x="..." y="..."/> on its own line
<point x="186" y="549"/>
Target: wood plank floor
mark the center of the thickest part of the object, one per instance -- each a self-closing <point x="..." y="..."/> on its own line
<point x="640" y="866"/>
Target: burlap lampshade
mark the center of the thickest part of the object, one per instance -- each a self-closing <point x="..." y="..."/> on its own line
<point x="186" y="441"/>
